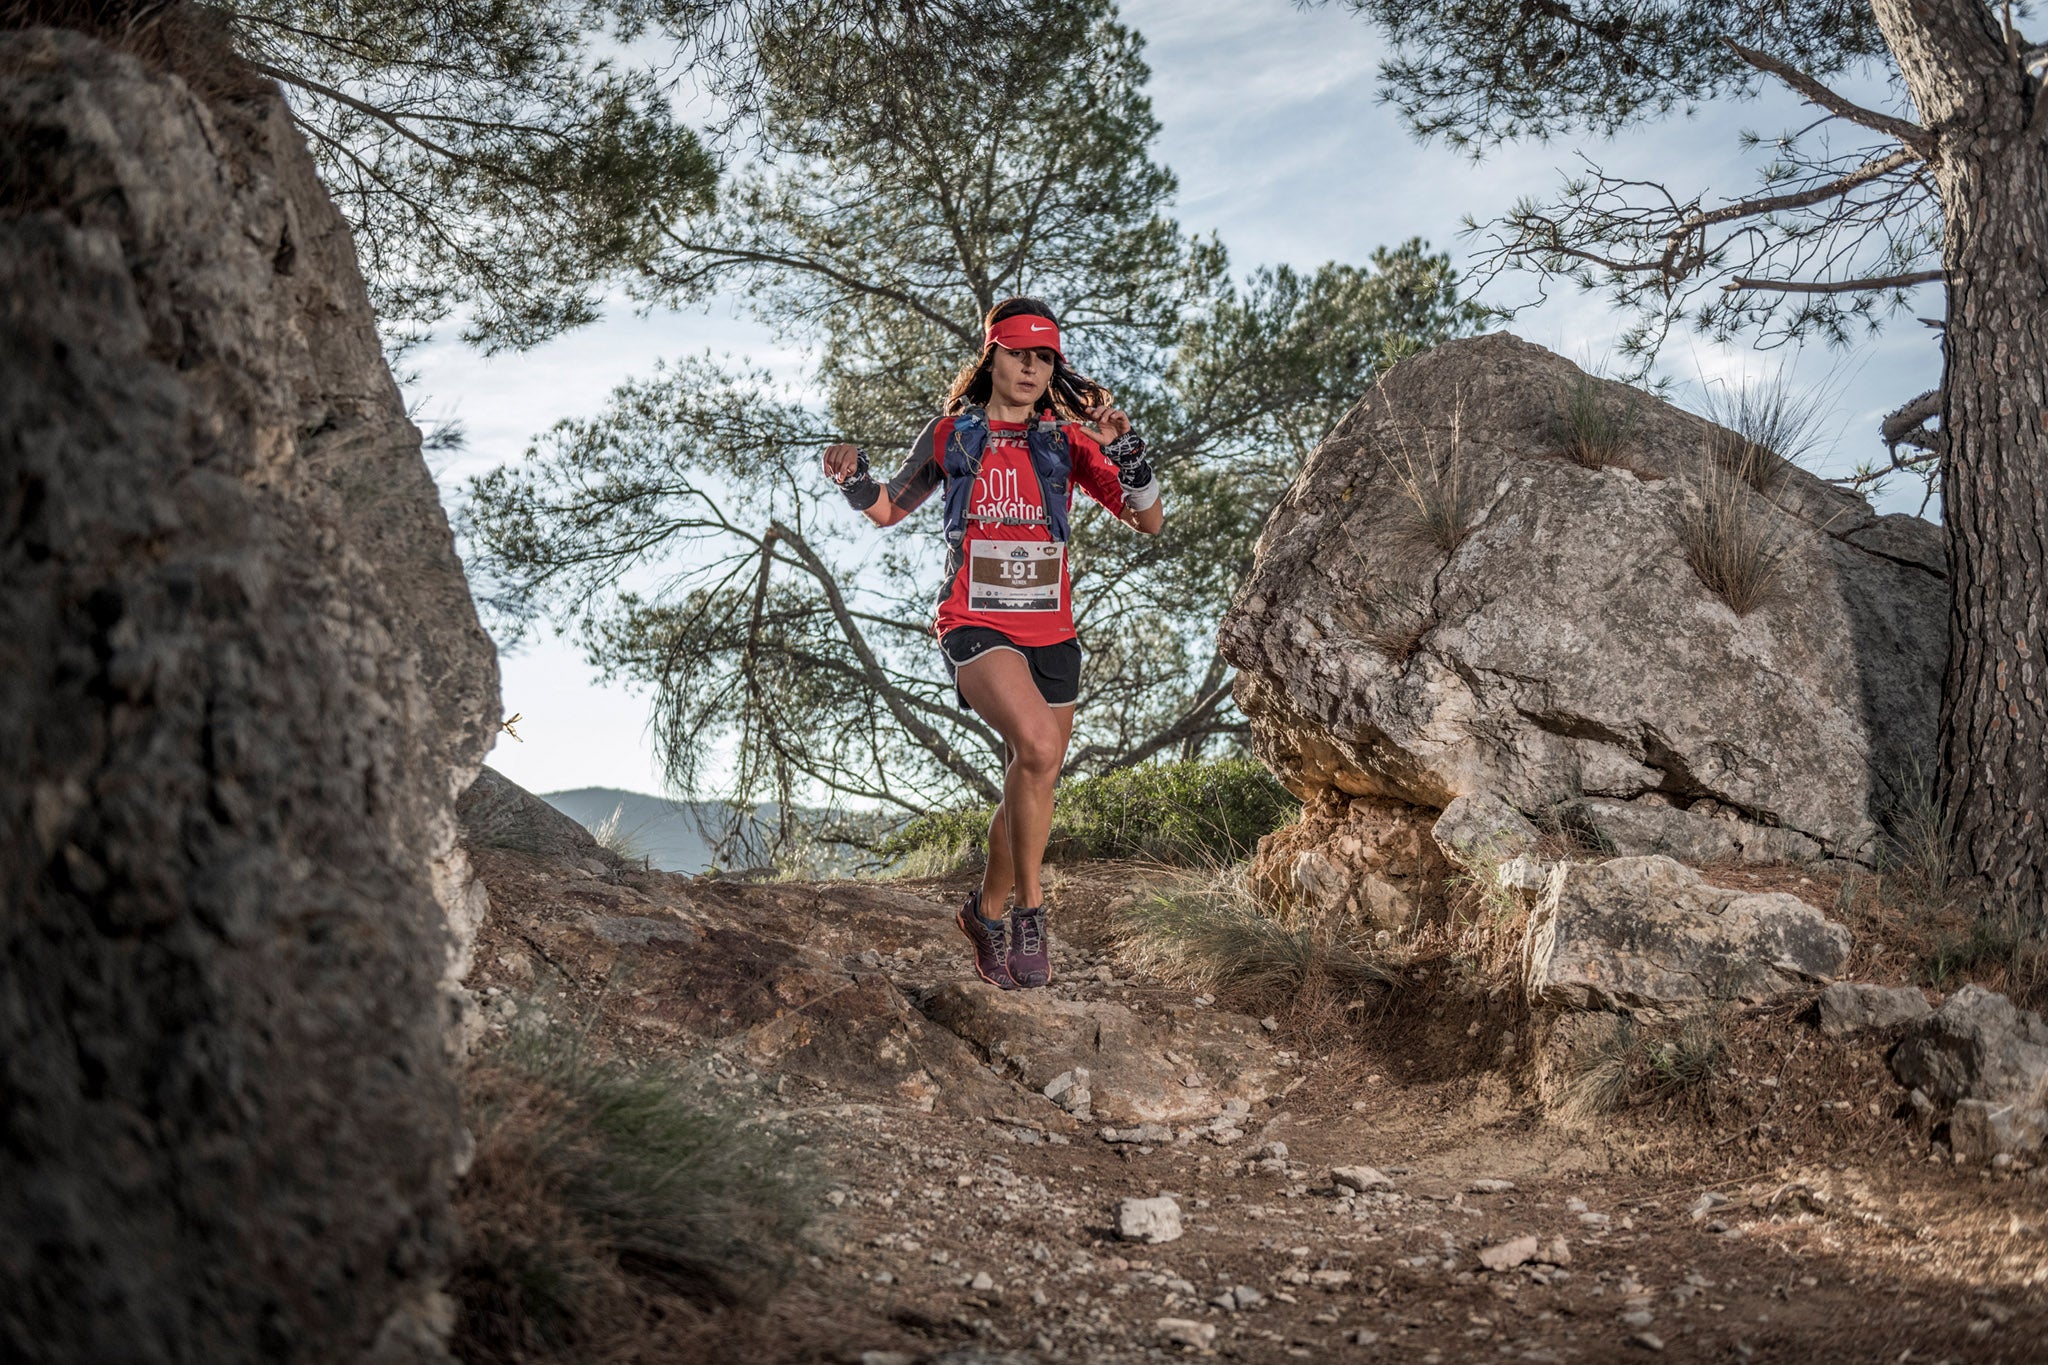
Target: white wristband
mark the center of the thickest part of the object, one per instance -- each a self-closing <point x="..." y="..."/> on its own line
<point x="1138" y="499"/>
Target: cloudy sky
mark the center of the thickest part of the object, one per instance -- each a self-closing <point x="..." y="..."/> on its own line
<point x="1272" y="124"/>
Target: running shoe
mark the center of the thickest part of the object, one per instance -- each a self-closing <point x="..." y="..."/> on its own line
<point x="991" y="958"/>
<point x="1030" y="948"/>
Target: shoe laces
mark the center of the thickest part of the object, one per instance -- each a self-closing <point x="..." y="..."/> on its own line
<point x="1030" y="930"/>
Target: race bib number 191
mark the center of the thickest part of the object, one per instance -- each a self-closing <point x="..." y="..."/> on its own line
<point x="1014" y="575"/>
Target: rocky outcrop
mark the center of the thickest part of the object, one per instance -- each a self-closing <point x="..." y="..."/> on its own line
<point x="497" y="812"/>
<point x="1648" y="935"/>
<point x="240" y="687"/>
<point x="1563" y="648"/>
<point x="1981" y="1063"/>
<point x="1362" y="861"/>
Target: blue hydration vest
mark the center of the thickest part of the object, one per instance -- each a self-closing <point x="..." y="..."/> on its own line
<point x="1051" y="460"/>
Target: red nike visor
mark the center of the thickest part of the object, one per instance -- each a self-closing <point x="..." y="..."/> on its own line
<point x="1024" y="332"/>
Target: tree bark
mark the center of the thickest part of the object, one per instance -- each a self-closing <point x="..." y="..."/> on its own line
<point x="1991" y="169"/>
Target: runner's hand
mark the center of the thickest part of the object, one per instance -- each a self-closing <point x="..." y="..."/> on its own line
<point x="841" y="461"/>
<point x="1111" y="421"/>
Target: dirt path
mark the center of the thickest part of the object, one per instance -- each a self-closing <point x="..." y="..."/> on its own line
<point x="1784" y="1212"/>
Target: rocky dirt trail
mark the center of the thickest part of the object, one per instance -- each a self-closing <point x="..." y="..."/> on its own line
<point x="1399" y="1195"/>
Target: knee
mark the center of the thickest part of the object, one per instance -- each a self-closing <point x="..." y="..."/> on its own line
<point x="1038" y="751"/>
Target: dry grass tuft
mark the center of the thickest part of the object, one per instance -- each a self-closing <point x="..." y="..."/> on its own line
<point x="1634" y="1066"/>
<point x="618" y="842"/>
<point x="1594" y="430"/>
<point x="1397" y="620"/>
<point x="1731" y="536"/>
<point x="189" y="41"/>
<point x="1765" y="430"/>
<point x="605" y="1207"/>
<point x="1440" y="501"/>
<point x="1601" y="1081"/>
<point x="1210" y="934"/>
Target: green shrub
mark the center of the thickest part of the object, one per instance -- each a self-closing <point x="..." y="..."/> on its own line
<point x="1196" y="812"/>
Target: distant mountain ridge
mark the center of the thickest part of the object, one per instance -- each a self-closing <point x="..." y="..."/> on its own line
<point x="669" y="833"/>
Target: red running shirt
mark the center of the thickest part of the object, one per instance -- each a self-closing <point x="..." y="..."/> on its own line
<point x="1027" y="609"/>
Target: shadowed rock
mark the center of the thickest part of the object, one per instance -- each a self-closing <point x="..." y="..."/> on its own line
<point x="240" y="685"/>
<point x="497" y="812"/>
<point x="1983" y="1063"/>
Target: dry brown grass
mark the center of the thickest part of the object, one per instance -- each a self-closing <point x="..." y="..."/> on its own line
<point x="1592" y="429"/>
<point x="1765" y="429"/>
<point x="606" y="1212"/>
<point x="1731" y="535"/>
<point x="1209" y="933"/>
<point x="186" y="40"/>
<point x="1439" y="500"/>
<point x="1398" y="619"/>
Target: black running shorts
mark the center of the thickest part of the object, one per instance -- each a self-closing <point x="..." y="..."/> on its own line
<point x="1055" y="668"/>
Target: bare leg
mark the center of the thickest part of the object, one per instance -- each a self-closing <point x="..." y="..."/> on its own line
<point x="998" y="686"/>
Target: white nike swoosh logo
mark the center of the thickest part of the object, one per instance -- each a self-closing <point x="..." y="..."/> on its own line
<point x="1041" y="329"/>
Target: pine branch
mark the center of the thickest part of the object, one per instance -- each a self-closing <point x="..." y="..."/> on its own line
<point x="930" y="740"/>
<point x="1907" y="426"/>
<point x="1911" y="134"/>
<point x="1906" y="281"/>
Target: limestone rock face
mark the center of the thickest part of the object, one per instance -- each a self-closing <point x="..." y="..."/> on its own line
<point x="1565" y="648"/>
<point x="1857" y="1006"/>
<point x="1649" y="935"/>
<point x="240" y="686"/>
<point x="1482" y="831"/>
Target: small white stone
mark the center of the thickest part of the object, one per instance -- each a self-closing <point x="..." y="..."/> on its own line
<point x="1509" y="1254"/>
<point x="1148" y="1220"/>
<point x="1186" y="1332"/>
<point x="982" y="1283"/>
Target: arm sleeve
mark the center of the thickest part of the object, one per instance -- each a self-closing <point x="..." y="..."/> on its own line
<point x="1095" y="473"/>
<point x="922" y="471"/>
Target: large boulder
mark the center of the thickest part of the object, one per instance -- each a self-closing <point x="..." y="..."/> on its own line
<point x="240" y="686"/>
<point x="1564" y="648"/>
<point x="1650" y="936"/>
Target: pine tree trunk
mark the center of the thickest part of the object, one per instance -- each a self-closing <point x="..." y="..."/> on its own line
<point x="1992" y="174"/>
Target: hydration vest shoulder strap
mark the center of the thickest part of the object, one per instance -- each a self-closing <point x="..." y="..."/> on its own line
<point x="964" y="450"/>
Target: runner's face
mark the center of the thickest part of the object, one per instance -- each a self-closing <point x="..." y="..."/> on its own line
<point x="1020" y="377"/>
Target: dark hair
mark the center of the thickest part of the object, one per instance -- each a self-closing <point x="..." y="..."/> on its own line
<point x="1070" y="394"/>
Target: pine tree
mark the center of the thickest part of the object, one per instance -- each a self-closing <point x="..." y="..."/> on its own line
<point x="902" y="187"/>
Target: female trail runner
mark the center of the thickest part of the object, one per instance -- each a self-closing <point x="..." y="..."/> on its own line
<point x="1008" y="452"/>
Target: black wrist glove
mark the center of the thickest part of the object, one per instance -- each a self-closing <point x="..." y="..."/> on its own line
<point x="860" y="487"/>
<point x="1133" y="470"/>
